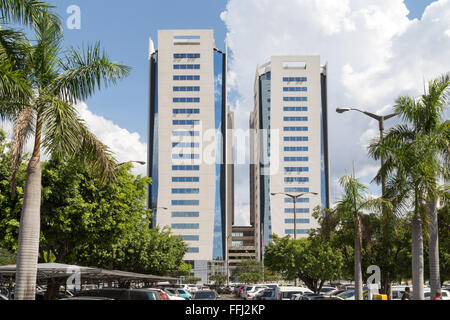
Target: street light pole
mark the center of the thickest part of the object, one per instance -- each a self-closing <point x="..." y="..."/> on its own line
<point x="380" y="120"/>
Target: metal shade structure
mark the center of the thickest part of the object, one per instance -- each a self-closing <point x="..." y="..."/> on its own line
<point x="47" y="271"/>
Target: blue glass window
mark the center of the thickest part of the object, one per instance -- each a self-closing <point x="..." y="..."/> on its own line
<point x="298" y="210"/>
<point x="186" y="55"/>
<point x="296" y="190"/>
<point x="295" y="79"/>
<point x="288" y="89"/>
<point x="295" y="128"/>
<point x="186" y="111"/>
<point x="290" y="200"/>
<point x="295" y="99"/>
<point x="299" y="231"/>
<point x="295" y="119"/>
<point x="295" y="108"/>
<point x="296" y="169"/>
<point x="185" y="156"/>
<point x="185" y="122"/>
<point x="186" y="78"/>
<point x="296" y="138"/>
<point x="186" y="100"/>
<point x="185" y="226"/>
<point x="185" y="89"/>
<point x="185" y="179"/>
<point x="185" y="202"/>
<point x="296" y="179"/>
<point x="186" y="133"/>
<point x="190" y="238"/>
<point x="186" y="66"/>
<point x="185" y="168"/>
<point x="184" y="214"/>
<point x="295" y="159"/>
<point x="185" y="190"/>
<point x="298" y="221"/>
<point x="185" y="144"/>
<point x="296" y="148"/>
<point x="193" y="250"/>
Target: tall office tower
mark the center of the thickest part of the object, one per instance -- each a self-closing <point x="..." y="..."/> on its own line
<point x="187" y="142"/>
<point x="289" y="146"/>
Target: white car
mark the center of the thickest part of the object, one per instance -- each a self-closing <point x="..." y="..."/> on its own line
<point x="192" y="288"/>
<point x="252" y="294"/>
<point x="285" y="293"/>
<point x="445" y="294"/>
<point x="250" y="289"/>
<point x="327" y="290"/>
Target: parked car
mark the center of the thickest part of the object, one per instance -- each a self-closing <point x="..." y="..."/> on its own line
<point x="205" y="295"/>
<point x="285" y="293"/>
<point x="250" y="295"/>
<point x="398" y="291"/>
<point x="445" y="294"/>
<point x="249" y="291"/>
<point x="122" y="294"/>
<point x="85" y="298"/>
<point x="327" y="290"/>
<point x="266" y="294"/>
<point x="192" y="288"/>
<point x="172" y="294"/>
<point x="184" y="293"/>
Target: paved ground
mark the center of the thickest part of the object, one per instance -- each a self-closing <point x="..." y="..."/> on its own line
<point x="229" y="297"/>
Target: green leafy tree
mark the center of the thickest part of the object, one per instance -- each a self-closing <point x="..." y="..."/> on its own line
<point x="6" y="257"/>
<point x="417" y="157"/>
<point x="192" y="280"/>
<point x="218" y="279"/>
<point x="45" y="83"/>
<point x="310" y="259"/>
<point x="249" y="271"/>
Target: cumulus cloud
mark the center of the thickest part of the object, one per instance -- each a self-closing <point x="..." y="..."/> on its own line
<point x="125" y="145"/>
<point x="375" y="53"/>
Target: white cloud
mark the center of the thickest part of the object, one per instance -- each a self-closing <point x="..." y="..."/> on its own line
<point x="374" y="54"/>
<point x="125" y="145"/>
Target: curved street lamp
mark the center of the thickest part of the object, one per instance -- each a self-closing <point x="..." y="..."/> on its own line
<point x="294" y="197"/>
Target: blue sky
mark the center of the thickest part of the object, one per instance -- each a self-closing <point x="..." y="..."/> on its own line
<point x="124" y="30"/>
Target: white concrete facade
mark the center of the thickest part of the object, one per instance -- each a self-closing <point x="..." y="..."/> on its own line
<point x="288" y="104"/>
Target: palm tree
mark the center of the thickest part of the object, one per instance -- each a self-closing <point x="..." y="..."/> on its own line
<point x="417" y="154"/>
<point x="56" y="80"/>
<point x="352" y="204"/>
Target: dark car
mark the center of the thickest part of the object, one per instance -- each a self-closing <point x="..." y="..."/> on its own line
<point x="121" y="294"/>
<point x="205" y="295"/>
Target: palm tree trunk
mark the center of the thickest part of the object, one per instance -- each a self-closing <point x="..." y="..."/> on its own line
<point x="433" y="247"/>
<point x="358" y="271"/>
<point x="30" y="222"/>
<point x="417" y="257"/>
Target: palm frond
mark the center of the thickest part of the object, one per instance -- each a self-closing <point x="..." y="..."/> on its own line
<point x="27" y="11"/>
<point x="84" y="73"/>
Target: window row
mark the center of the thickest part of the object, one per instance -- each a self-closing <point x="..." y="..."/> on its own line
<point x="186" y="100"/>
<point x="190" y="238"/>
<point x="185" y="226"/>
<point x="289" y="89"/>
<point x="298" y="210"/>
<point x="185" y="156"/>
<point x="296" y="139"/>
<point x="299" y="231"/>
<point x="295" y="159"/>
<point x="290" y="200"/>
<point x="186" y="66"/>
<point x="186" y="168"/>
<point x="186" y="78"/>
<point x="186" y="55"/>
<point x="185" y="122"/>
<point x="296" y="190"/>
<point x="186" y="145"/>
<point x="295" y="79"/>
<point x="185" y="202"/>
<point x="296" y="148"/>
<point x="184" y="214"/>
<point x="186" y="111"/>
<point x="295" y="108"/>
<point x="296" y="179"/>
<point x="186" y="133"/>
<point x="185" y="190"/>
<point x="185" y="89"/>
<point x="295" y="129"/>
<point x="295" y="119"/>
<point x="298" y="221"/>
<point x="193" y="250"/>
<point x="185" y="179"/>
<point x="287" y="99"/>
<point x="296" y="169"/>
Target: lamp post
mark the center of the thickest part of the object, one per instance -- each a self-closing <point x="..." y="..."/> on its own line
<point x="294" y="197"/>
<point x="380" y="120"/>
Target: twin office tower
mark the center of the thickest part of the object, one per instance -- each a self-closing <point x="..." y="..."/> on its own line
<point x="191" y="145"/>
